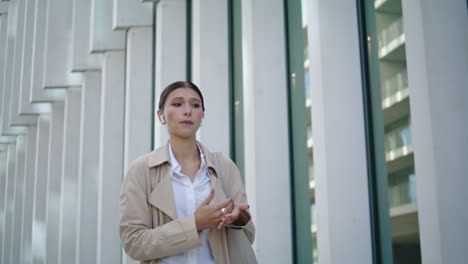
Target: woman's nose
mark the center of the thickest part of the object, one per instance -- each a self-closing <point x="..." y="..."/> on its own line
<point x="187" y="110"/>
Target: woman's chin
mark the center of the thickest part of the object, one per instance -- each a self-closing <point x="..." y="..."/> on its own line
<point x="184" y="134"/>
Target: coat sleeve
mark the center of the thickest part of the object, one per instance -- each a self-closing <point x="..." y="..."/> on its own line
<point x="140" y="241"/>
<point x="237" y="192"/>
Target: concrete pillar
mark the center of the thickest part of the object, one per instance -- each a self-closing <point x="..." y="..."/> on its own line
<point x="17" y="66"/>
<point x="38" y="93"/>
<point x="129" y="13"/>
<point x="55" y="181"/>
<point x="110" y="157"/>
<point x="210" y="70"/>
<point x="40" y="190"/>
<point x="9" y="204"/>
<point x="89" y="168"/>
<point x="3" y="180"/>
<point x="25" y="105"/>
<point x="3" y="7"/>
<point x="102" y="35"/>
<point x="138" y="92"/>
<point x="69" y="188"/>
<point x="81" y="28"/>
<point x="59" y="46"/>
<point x="18" y="199"/>
<point x="3" y="38"/>
<point x="8" y="60"/>
<point x="437" y="61"/>
<point x="266" y="128"/>
<point x="8" y="70"/>
<point x="28" y="201"/>
<point x="343" y="220"/>
<point x="171" y="54"/>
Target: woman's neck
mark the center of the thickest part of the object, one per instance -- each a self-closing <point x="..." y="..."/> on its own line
<point x="185" y="149"/>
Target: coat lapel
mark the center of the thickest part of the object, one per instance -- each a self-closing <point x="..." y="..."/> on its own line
<point x="220" y="195"/>
<point x="162" y="197"/>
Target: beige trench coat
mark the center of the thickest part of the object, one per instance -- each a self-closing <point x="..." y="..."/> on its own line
<point x="149" y="228"/>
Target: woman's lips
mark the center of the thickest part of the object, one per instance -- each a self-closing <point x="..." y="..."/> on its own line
<point x="187" y="122"/>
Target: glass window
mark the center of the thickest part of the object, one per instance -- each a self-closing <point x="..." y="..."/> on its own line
<point x="236" y="85"/>
<point x="302" y="158"/>
<point x="391" y="129"/>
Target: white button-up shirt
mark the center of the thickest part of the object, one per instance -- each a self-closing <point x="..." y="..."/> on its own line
<point x="188" y="196"/>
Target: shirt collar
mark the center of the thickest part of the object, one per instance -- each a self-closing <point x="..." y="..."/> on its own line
<point x="175" y="166"/>
<point x="160" y="156"/>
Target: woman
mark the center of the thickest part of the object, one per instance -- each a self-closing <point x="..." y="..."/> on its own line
<point x="177" y="201"/>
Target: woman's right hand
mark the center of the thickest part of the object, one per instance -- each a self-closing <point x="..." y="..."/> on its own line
<point x="208" y="216"/>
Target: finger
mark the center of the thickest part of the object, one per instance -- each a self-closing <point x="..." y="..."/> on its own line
<point x="243" y="206"/>
<point x="223" y="223"/>
<point x="228" y="209"/>
<point x="218" y="215"/>
<point x="223" y="204"/>
<point x="227" y="221"/>
<point x="208" y="199"/>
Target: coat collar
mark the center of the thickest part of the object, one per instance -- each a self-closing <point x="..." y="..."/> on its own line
<point x="161" y="155"/>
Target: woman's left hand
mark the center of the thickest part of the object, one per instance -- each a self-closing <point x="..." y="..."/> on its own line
<point x="232" y="213"/>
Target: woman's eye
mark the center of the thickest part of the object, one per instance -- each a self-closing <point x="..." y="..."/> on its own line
<point x="196" y="105"/>
<point x="176" y="104"/>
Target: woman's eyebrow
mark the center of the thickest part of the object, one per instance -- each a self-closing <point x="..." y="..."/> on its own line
<point x="181" y="98"/>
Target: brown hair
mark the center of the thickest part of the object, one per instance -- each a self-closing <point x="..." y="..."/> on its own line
<point x="176" y="85"/>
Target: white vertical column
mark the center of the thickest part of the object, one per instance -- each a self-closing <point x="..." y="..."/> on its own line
<point x="69" y="182"/>
<point x="89" y="168"/>
<point x="210" y="69"/>
<point x="18" y="199"/>
<point x="265" y="128"/>
<point x="3" y="179"/>
<point x="138" y="92"/>
<point x="3" y="38"/>
<point x="337" y="106"/>
<point x="28" y="201"/>
<point x="38" y="93"/>
<point x="9" y="204"/>
<point x="8" y="60"/>
<point x="129" y="13"/>
<point x="102" y="36"/>
<point x="8" y="70"/>
<point x="3" y="7"/>
<point x="437" y="60"/>
<point x="82" y="59"/>
<point x="59" y="46"/>
<point x="110" y="157"/>
<point x="40" y="189"/>
<point x="25" y="106"/>
<point x="3" y="188"/>
<point x="17" y="67"/>
<point x="171" y="53"/>
<point x="54" y="182"/>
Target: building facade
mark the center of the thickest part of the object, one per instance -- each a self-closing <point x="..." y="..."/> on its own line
<point x="346" y="119"/>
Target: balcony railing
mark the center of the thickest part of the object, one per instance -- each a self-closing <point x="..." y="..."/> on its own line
<point x="395" y="89"/>
<point x="391" y="37"/>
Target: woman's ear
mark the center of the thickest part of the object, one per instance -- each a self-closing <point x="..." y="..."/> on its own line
<point x="161" y="117"/>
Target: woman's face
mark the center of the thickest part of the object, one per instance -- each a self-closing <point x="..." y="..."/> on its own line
<point x="183" y="113"/>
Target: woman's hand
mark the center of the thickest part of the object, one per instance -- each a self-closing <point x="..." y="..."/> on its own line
<point x="208" y="216"/>
<point x="234" y="215"/>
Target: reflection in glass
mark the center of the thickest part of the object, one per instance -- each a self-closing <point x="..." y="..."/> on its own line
<point x="310" y="143"/>
<point x="387" y="63"/>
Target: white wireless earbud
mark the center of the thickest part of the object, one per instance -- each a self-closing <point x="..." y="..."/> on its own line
<point x="163" y="120"/>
